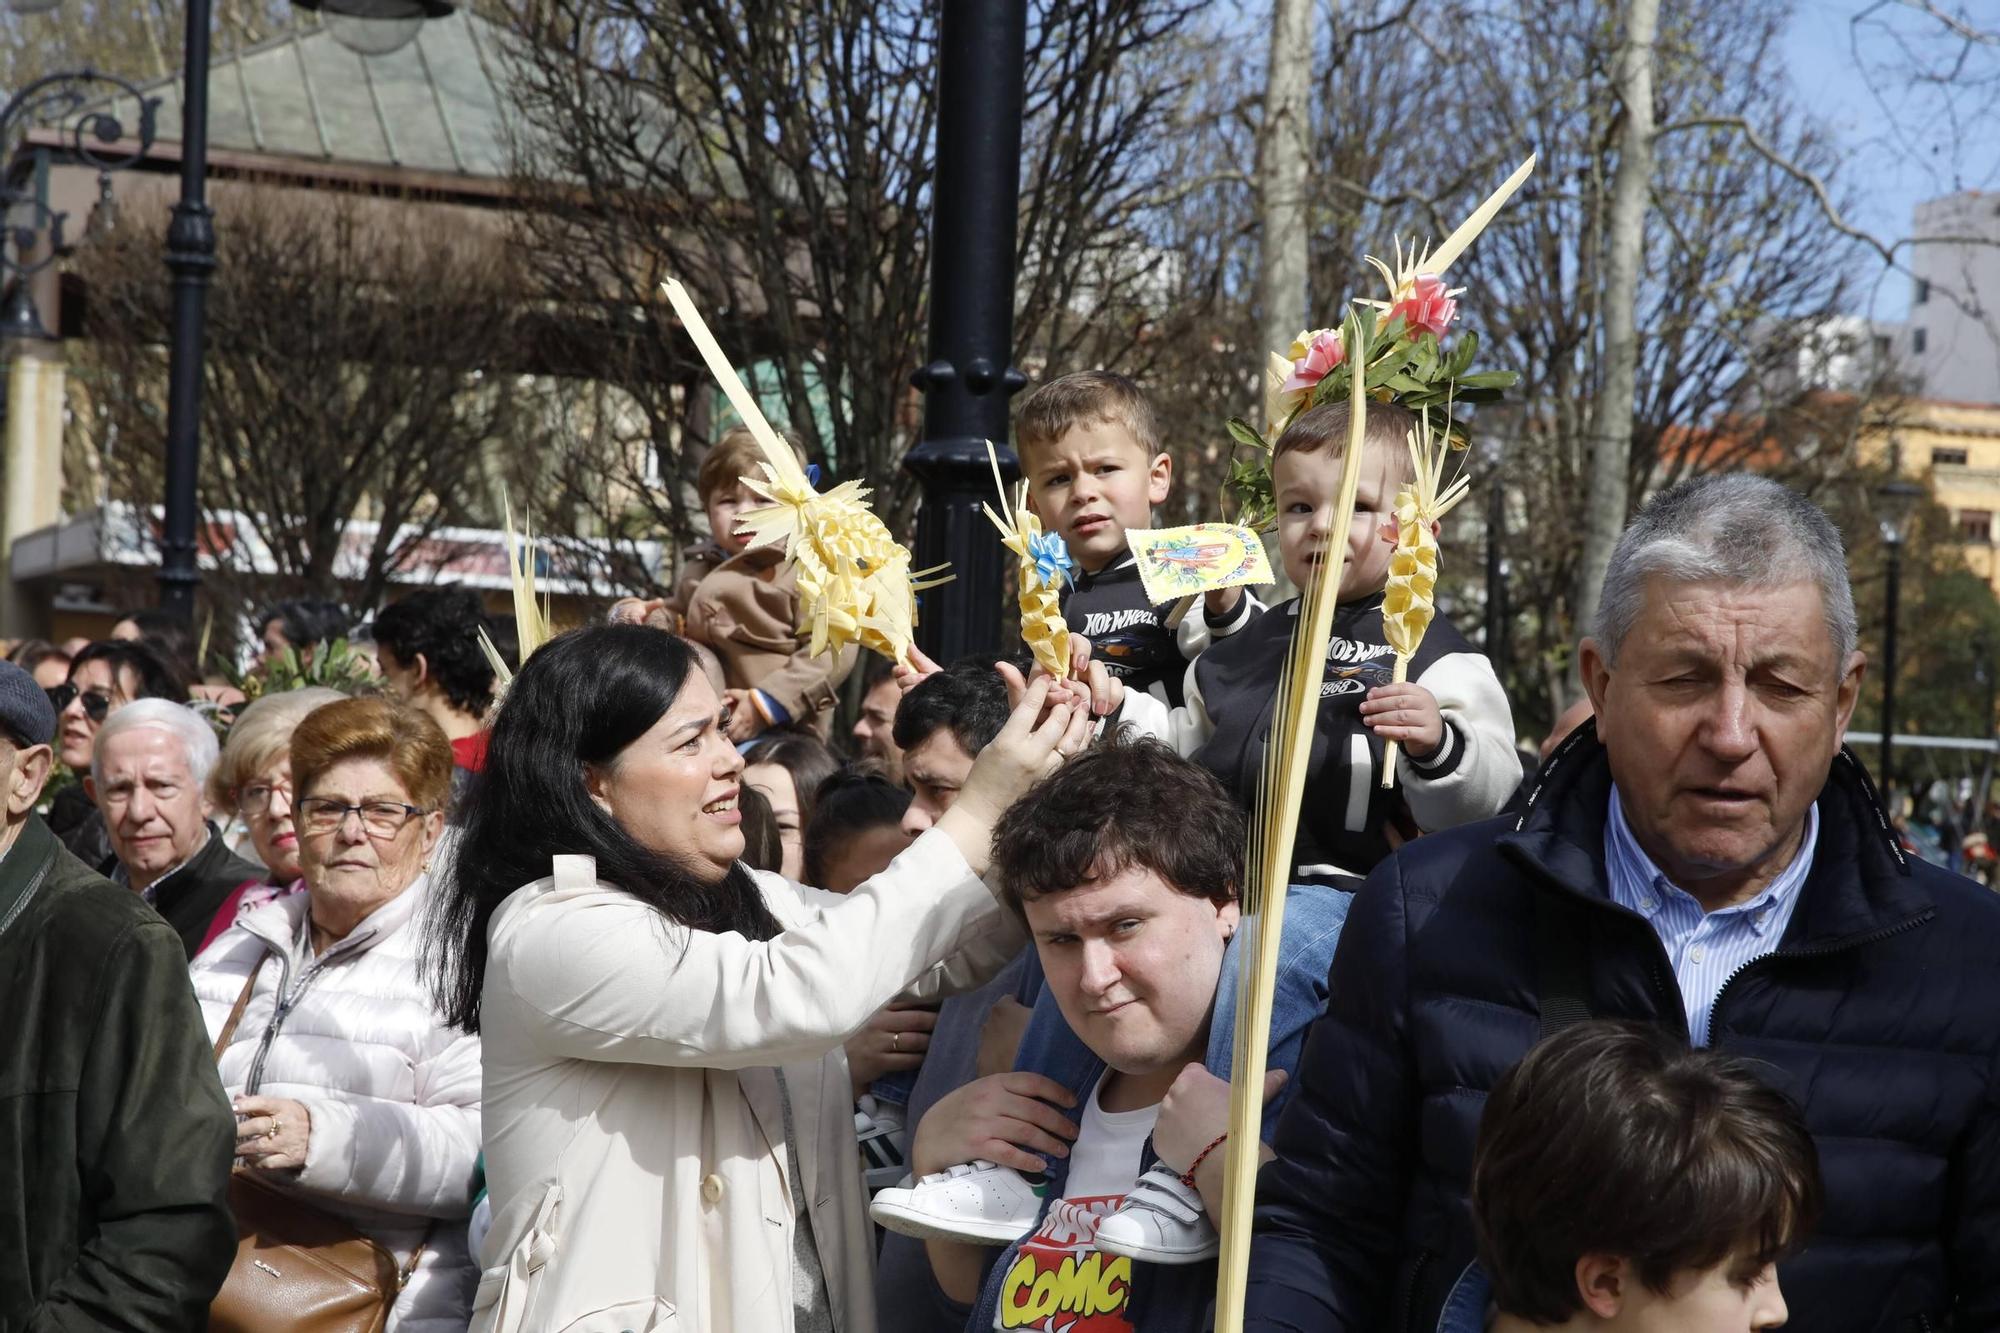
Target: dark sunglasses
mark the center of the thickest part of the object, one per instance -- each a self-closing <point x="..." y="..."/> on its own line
<point x="96" y="703"/>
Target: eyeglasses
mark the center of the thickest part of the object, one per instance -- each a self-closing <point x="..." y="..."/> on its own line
<point x="255" y="799"/>
<point x="96" y="703"/>
<point x="379" y="819"/>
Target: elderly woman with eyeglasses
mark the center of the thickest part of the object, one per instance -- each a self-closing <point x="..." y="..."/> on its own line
<point x="349" y="1087"/>
<point x="253" y="781"/>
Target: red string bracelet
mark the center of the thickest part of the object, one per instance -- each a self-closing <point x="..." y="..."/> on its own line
<point x="1187" y="1177"/>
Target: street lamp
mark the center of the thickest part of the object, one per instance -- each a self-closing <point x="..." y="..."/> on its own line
<point x="376" y="27"/>
<point x="970" y="374"/>
<point x="190" y="237"/>
<point x="190" y="258"/>
<point x="32" y="240"/>
<point x="1897" y="500"/>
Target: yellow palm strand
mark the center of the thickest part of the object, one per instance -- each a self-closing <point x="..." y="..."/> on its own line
<point x="531" y="616"/>
<point x="1039" y="569"/>
<point x="1403" y="277"/>
<point x="1409" y="601"/>
<point x="1267" y="872"/>
<point x="854" y="577"/>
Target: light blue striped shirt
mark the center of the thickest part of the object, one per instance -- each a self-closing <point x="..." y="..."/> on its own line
<point x="1706" y="948"/>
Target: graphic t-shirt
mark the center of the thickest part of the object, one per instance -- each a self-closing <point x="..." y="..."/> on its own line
<point x="1057" y="1280"/>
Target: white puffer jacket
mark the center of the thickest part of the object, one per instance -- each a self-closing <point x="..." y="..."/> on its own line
<point x="394" y="1094"/>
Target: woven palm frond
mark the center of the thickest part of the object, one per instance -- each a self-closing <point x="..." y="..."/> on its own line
<point x="1042" y="564"/>
<point x="854" y="577"/>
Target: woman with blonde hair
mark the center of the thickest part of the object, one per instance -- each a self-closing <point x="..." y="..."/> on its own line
<point x="253" y="781"/>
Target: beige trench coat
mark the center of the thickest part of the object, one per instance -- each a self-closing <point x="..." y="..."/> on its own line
<point x="635" y="1148"/>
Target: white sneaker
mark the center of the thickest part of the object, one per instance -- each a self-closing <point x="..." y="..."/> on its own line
<point x="1162" y="1221"/>
<point x="978" y="1203"/>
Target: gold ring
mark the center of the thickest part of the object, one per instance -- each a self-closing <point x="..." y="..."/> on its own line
<point x="895" y="1041"/>
<point x="272" y="1132"/>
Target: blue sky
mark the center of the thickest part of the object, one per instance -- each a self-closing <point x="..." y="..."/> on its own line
<point x="1902" y="146"/>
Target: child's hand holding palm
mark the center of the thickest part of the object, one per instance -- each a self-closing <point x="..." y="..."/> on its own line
<point x="1407" y="714"/>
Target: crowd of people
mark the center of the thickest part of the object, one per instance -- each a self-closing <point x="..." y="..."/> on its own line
<point x="633" y="993"/>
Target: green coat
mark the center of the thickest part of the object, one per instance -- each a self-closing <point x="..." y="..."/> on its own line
<point x="115" y="1137"/>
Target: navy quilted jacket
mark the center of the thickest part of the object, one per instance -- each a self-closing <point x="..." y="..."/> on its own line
<point x="1879" y="1014"/>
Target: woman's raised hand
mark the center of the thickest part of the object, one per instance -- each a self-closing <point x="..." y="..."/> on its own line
<point x="1041" y="732"/>
<point x="1089" y="684"/>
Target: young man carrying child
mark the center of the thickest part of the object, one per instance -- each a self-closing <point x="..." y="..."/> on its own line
<point x="745" y="607"/>
<point x="1624" y="1180"/>
<point x="1126" y="865"/>
<point x="1091" y="453"/>
<point x="1450" y="718"/>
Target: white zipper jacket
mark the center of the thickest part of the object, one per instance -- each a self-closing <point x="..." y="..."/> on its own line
<point x="393" y="1093"/>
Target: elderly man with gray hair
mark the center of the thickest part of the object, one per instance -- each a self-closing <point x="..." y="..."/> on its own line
<point x="1706" y="856"/>
<point x="148" y="767"/>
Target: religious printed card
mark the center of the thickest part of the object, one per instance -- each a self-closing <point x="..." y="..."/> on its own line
<point x="1185" y="562"/>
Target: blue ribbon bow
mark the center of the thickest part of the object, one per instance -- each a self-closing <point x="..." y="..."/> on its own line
<point x="1051" y="557"/>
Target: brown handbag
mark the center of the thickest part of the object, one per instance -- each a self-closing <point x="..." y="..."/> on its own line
<point x="299" y="1269"/>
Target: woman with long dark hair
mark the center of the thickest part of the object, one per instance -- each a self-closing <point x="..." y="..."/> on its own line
<point x="669" y="1128"/>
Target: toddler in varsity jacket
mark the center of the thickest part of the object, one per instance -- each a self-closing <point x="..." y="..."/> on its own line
<point x="1091" y="452"/>
<point x="1451" y="720"/>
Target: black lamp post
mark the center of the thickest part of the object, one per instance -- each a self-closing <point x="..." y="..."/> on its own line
<point x="1898" y="499"/>
<point x="191" y="261"/>
<point x="970" y="374"/>
<point x="190" y="256"/>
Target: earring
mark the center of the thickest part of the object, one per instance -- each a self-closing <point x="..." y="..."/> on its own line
<point x="427" y="865"/>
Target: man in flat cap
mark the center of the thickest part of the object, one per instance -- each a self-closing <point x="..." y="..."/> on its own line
<point x="115" y="1138"/>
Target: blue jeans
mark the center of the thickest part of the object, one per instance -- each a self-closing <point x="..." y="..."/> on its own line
<point x="1314" y="914"/>
<point x="895" y="1088"/>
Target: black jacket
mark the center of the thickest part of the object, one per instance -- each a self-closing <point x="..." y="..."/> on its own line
<point x="190" y="897"/>
<point x="1126" y="631"/>
<point x="75" y="819"/>
<point x="1238" y="681"/>
<point x="1879" y="1014"/>
<point x="115" y="1138"/>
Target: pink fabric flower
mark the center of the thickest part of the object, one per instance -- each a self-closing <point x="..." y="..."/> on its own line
<point x="1321" y="353"/>
<point x="1428" y="307"/>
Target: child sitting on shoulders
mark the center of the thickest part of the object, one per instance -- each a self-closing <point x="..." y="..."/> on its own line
<point x="1091" y="452"/>
<point x="719" y="485"/>
<point x="1450" y="718"/>
<point x="1624" y="1180"/>
<point x="746" y="608"/>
